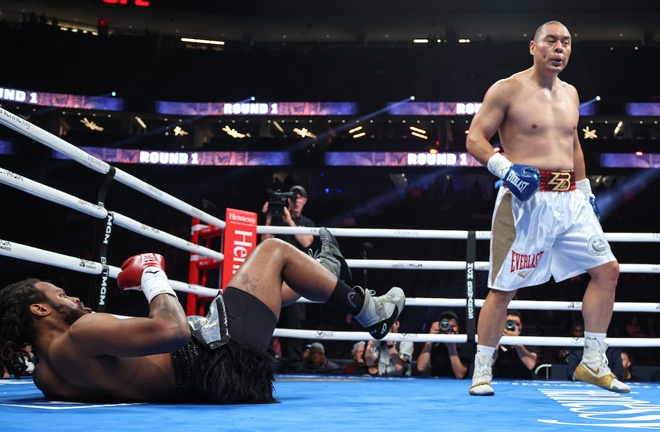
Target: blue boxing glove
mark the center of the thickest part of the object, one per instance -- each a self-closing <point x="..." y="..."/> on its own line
<point x="522" y="180"/>
<point x="584" y="186"/>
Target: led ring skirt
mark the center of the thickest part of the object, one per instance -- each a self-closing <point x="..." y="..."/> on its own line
<point x="421" y="402"/>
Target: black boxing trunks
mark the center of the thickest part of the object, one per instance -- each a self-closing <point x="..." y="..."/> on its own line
<point x="226" y="360"/>
<point x="248" y="319"/>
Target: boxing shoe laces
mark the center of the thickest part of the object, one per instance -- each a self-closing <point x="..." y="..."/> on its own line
<point x="331" y="257"/>
<point x="483" y="374"/>
<point x="378" y="314"/>
<point x="598" y="373"/>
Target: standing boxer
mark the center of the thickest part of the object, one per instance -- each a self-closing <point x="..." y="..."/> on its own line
<point x="220" y="358"/>
<point x="542" y="226"/>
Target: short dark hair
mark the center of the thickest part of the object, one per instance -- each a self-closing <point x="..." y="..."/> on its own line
<point x="514" y="312"/>
<point x="16" y="325"/>
<point x="448" y="315"/>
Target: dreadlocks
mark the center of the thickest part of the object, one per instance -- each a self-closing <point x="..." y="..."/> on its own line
<point x="16" y="323"/>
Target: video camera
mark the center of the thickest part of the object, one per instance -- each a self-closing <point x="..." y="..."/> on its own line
<point x="510" y="325"/>
<point x="445" y="327"/>
<point x="277" y="201"/>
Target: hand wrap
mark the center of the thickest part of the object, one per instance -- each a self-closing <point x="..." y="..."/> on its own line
<point x="146" y="273"/>
<point x="522" y="180"/>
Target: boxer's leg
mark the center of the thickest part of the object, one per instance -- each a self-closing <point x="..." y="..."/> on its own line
<point x="597" y="306"/>
<point x="598" y="300"/>
<point x="271" y="264"/>
<point x="489" y="328"/>
<point x="274" y="262"/>
<point x="329" y="257"/>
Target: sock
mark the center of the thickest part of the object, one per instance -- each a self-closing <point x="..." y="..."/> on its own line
<point x="346" y="298"/>
<point x="484" y="355"/>
<point x="598" y="336"/>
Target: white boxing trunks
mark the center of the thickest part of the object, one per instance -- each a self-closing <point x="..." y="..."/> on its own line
<point x="552" y="234"/>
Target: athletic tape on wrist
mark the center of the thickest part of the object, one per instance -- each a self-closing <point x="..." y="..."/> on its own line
<point x="155" y="283"/>
<point x="499" y="165"/>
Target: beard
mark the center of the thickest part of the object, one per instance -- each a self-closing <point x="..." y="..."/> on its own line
<point x="70" y="314"/>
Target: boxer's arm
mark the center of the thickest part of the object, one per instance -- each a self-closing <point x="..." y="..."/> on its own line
<point x="522" y="180"/>
<point x="165" y="330"/>
<point x="486" y="122"/>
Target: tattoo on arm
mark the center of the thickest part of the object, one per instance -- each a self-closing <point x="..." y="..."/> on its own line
<point x="163" y="308"/>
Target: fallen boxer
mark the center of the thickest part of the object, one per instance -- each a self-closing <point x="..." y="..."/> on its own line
<point x="168" y="357"/>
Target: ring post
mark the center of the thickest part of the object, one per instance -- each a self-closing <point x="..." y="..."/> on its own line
<point x="470" y="257"/>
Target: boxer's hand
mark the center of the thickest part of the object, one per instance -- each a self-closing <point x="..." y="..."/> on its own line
<point x="584" y="186"/>
<point x="522" y="180"/>
<point x="146" y="273"/>
<point x="130" y="277"/>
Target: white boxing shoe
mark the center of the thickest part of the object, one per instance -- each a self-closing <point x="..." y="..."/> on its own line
<point x="378" y="314"/>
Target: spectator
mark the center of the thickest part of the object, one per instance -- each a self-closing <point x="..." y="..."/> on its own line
<point x="358" y="365"/>
<point x="444" y="359"/>
<point x="627" y="363"/>
<point x="305" y="351"/>
<point x="370" y="350"/>
<point x="514" y="361"/>
<point x="317" y="362"/>
<point x="393" y="358"/>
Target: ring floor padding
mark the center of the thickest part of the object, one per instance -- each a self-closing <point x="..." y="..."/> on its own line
<point x="331" y="403"/>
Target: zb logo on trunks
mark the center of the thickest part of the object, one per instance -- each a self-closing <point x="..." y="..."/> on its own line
<point x="561" y="181"/>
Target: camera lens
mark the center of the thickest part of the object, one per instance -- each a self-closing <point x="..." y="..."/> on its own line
<point x="510" y="325"/>
<point x="445" y="325"/>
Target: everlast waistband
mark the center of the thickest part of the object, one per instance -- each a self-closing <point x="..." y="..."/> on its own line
<point x="557" y="181"/>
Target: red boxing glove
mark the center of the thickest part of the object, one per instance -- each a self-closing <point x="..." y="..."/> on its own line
<point x="130" y="277"/>
<point x="146" y="273"/>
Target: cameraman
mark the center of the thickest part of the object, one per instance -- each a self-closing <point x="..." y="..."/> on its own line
<point x="291" y="216"/>
<point x="444" y="359"/>
<point x="513" y="361"/>
<point x="292" y="316"/>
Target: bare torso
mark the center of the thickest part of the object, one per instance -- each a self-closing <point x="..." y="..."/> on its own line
<point x="106" y="378"/>
<point x="540" y="124"/>
<point x="70" y="367"/>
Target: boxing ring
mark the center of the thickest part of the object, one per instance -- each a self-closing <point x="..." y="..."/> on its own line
<point x="324" y="402"/>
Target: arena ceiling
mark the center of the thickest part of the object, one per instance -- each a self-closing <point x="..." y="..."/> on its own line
<point x="359" y="21"/>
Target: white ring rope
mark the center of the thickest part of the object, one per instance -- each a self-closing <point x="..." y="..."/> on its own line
<point x="28" y="253"/>
<point x="36" y="255"/>
<point x="51" y="194"/>
<point x="49" y="140"/>
<point x="460" y="338"/>
<point x="522" y="304"/>
<point x="461" y="302"/>
<point x="448" y="234"/>
<point x="431" y="234"/>
<point x="460" y="265"/>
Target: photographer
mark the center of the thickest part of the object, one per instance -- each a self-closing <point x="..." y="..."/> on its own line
<point x="393" y="358"/>
<point x="444" y="359"/>
<point x="513" y="361"/>
<point x="285" y="209"/>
